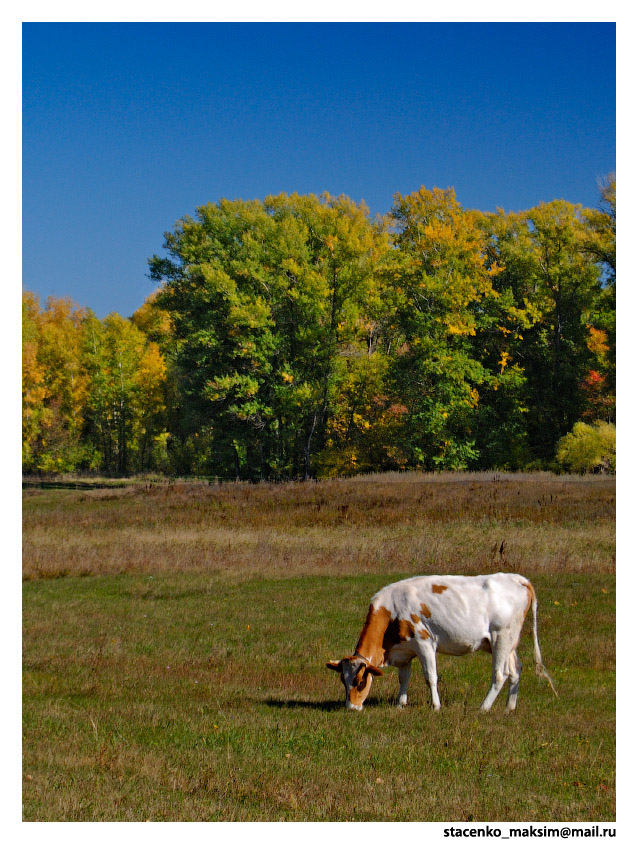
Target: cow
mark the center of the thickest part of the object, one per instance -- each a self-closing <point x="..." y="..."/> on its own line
<point x="452" y="614"/>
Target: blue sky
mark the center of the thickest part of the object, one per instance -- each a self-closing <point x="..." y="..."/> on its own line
<point x="127" y="127"/>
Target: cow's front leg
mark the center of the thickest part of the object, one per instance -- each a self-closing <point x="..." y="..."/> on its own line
<point x="404" y="678"/>
<point x="428" y="660"/>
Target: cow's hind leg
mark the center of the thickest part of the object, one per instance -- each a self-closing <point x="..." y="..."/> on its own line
<point x="404" y="678"/>
<point x="428" y="660"/>
<point x="514" y="674"/>
<point x="501" y="654"/>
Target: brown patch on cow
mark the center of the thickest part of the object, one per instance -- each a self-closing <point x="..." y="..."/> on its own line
<point x="398" y="631"/>
<point x="415" y="618"/>
<point x="360" y="677"/>
<point x="531" y="596"/>
<point x="371" y="640"/>
<point x="406" y="629"/>
<point x="360" y="689"/>
<point x="424" y="634"/>
<point x="425" y="610"/>
<point x="438" y="588"/>
<point x="380" y="633"/>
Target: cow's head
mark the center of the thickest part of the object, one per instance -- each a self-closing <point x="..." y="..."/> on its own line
<point x="356" y="673"/>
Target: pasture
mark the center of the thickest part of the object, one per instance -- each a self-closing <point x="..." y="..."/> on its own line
<point x="175" y="636"/>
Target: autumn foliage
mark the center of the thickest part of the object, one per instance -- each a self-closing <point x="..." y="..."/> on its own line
<point x="92" y="391"/>
<point x="298" y="336"/>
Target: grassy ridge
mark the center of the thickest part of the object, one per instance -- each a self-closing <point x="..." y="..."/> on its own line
<point x="201" y="693"/>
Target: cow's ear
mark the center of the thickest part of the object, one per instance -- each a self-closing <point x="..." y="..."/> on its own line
<point x="336" y="665"/>
<point x="374" y="670"/>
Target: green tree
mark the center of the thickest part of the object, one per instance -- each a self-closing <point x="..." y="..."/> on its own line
<point x="329" y="304"/>
<point x="439" y="283"/>
<point x="263" y="296"/>
<point x="508" y="320"/>
<point x="365" y="426"/>
<point x="216" y="290"/>
<point x="548" y="292"/>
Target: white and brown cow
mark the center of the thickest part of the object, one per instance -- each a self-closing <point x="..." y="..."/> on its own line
<point x="453" y="614"/>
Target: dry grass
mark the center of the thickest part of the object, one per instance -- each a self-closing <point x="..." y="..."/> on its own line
<point x="406" y="523"/>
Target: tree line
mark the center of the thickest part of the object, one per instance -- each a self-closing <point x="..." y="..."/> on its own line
<point x="298" y="336"/>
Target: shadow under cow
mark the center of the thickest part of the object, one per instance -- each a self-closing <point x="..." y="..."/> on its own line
<point x="327" y="706"/>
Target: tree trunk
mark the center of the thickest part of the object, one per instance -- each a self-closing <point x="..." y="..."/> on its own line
<point x="236" y="458"/>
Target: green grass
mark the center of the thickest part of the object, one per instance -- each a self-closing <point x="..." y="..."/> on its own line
<point x="182" y="697"/>
<point x="201" y="693"/>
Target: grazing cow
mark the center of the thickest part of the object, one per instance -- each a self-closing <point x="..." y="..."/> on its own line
<point x="454" y="614"/>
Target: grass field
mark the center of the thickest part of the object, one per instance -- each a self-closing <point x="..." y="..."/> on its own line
<point x="175" y="637"/>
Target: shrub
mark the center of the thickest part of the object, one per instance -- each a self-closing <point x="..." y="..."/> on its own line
<point x="588" y="448"/>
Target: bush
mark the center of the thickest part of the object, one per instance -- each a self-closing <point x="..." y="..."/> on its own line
<point x="588" y="448"/>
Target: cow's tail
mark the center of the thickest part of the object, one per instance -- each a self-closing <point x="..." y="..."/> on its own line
<point x="540" y="669"/>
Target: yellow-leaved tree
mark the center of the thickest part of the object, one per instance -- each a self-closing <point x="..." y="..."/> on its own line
<point x="126" y="397"/>
<point x="54" y="384"/>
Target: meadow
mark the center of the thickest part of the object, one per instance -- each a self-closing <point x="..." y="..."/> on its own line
<point x="175" y="636"/>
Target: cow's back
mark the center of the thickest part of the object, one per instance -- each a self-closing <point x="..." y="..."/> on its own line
<point x="458" y="612"/>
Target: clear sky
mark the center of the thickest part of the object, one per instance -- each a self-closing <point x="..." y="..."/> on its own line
<point x="128" y="127"/>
